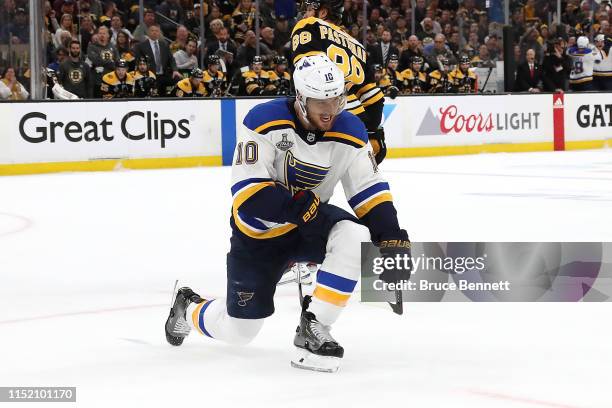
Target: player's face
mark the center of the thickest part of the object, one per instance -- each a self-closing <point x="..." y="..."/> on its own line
<point x="416" y="67"/>
<point x="213" y="68"/>
<point x="323" y="112"/>
<point x="121" y="72"/>
<point x="464" y="67"/>
<point x="281" y="67"/>
<point x="378" y="75"/>
<point x="196" y="82"/>
<point x="393" y="65"/>
<point x="142" y="67"/>
<point x="257" y="68"/>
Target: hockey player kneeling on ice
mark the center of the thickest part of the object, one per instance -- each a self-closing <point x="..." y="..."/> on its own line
<point x="291" y="153"/>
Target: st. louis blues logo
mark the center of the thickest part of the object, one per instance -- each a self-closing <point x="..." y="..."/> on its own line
<point x="300" y="175"/>
<point x="244" y="297"/>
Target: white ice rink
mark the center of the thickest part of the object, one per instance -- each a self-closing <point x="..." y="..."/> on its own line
<point x="88" y="260"/>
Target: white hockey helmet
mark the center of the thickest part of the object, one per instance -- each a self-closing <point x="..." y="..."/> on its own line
<point x="582" y="42"/>
<point x="317" y="77"/>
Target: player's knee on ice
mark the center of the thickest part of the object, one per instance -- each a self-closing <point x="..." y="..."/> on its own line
<point x="241" y="332"/>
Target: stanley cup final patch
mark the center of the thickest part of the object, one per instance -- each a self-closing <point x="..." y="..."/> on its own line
<point x="284" y="144"/>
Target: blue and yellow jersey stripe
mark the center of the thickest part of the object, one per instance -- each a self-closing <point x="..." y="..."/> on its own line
<point x="334" y="289"/>
<point x="363" y="202"/>
<point x="252" y="226"/>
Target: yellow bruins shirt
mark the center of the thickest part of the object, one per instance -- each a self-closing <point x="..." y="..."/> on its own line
<point x="113" y="87"/>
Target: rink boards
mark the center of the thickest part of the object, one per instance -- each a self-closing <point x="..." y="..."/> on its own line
<point x="40" y="137"/>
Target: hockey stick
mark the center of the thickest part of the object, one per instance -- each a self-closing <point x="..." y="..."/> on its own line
<point x="398" y="306"/>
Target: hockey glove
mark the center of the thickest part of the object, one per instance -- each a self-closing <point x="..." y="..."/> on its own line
<point x="392" y="245"/>
<point x="377" y="140"/>
<point x="303" y="207"/>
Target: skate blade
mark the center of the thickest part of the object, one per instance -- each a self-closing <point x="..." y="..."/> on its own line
<point x="290" y="277"/>
<point x="306" y="360"/>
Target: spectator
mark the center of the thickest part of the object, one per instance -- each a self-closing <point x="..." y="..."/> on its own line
<point x="101" y="55"/>
<point x="425" y="29"/>
<point x="215" y="27"/>
<point x="413" y="50"/>
<point x="74" y="75"/>
<point x="60" y="57"/>
<point x="116" y="28"/>
<point x="172" y="10"/>
<point x="124" y="50"/>
<point x="556" y="67"/>
<point x="483" y="59"/>
<point x="472" y="46"/>
<point x="157" y="51"/>
<point x="222" y="42"/>
<point x="529" y="74"/>
<point x="86" y="33"/>
<point x="493" y="47"/>
<point x="438" y="51"/>
<point x="381" y="52"/>
<point x="281" y="32"/>
<point x="182" y="35"/>
<point x="17" y="92"/>
<point x="530" y="41"/>
<point x="267" y="38"/>
<point x="247" y="51"/>
<point x="19" y="29"/>
<point x="148" y="19"/>
<point x="246" y="11"/>
<point x="186" y="59"/>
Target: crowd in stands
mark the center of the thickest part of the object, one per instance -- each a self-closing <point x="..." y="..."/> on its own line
<point x="101" y="49"/>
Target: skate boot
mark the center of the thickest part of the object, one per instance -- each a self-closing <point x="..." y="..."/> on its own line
<point x="177" y="327"/>
<point x="305" y="270"/>
<point x="316" y="348"/>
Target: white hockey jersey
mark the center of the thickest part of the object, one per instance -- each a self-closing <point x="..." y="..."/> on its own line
<point x="603" y="63"/>
<point x="583" y="61"/>
<point x="275" y="157"/>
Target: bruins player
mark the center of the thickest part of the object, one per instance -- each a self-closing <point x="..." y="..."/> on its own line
<point x="397" y="82"/>
<point x="214" y="80"/>
<point x="416" y="78"/>
<point x="191" y="87"/>
<point x="256" y="81"/>
<point x="118" y="83"/>
<point x="462" y="78"/>
<point x="438" y="81"/>
<point x="145" y="81"/>
<point x="381" y="78"/>
<point x="317" y="33"/>
<point x="280" y="77"/>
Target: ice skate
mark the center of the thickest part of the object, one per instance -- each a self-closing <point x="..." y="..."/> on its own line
<point x="316" y="349"/>
<point x="176" y="326"/>
<point x="306" y="272"/>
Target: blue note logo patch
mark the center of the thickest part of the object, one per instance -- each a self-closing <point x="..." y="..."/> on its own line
<point x="300" y="175"/>
<point x="244" y="297"/>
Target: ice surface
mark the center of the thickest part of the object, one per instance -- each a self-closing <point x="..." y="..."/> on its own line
<point x="88" y="261"/>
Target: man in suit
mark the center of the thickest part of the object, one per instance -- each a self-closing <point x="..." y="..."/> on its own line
<point x="380" y="52"/>
<point x="529" y="74"/>
<point x="158" y="52"/>
<point x="226" y="49"/>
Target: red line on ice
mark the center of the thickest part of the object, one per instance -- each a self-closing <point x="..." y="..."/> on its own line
<point x="84" y="312"/>
<point x="495" y="395"/>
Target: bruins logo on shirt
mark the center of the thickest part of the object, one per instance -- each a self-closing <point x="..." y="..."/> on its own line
<point x="106" y="55"/>
<point x="300" y="175"/>
<point x="76" y="76"/>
